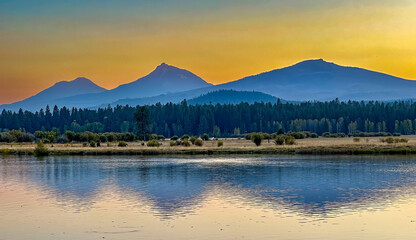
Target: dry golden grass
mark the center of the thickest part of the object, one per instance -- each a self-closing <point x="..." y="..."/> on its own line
<point x="309" y="145"/>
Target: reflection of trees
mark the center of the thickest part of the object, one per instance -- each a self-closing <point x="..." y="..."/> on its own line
<point x="311" y="184"/>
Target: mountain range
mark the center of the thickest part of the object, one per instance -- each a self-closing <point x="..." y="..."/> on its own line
<point x="308" y="80"/>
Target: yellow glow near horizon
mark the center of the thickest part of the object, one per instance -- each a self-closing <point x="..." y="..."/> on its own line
<point x="221" y="45"/>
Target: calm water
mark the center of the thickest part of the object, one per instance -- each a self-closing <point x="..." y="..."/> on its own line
<point x="268" y="197"/>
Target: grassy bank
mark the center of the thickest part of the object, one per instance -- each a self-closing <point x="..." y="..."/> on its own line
<point x="317" y="146"/>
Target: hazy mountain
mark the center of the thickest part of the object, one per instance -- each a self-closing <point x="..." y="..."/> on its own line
<point x="307" y="80"/>
<point x="232" y="97"/>
<point x="50" y="95"/>
<point x="164" y="79"/>
<point x="321" y="80"/>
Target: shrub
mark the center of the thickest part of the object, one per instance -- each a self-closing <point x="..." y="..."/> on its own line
<point x="122" y="144"/>
<point x="185" y="136"/>
<point x="153" y="143"/>
<point x="403" y="140"/>
<point x="186" y="143"/>
<point x="298" y="135"/>
<point x="193" y="139"/>
<point x="70" y="135"/>
<point x="220" y="143"/>
<point x="172" y="143"/>
<point x="62" y="139"/>
<point x="85" y="144"/>
<point x="326" y="134"/>
<point x="161" y="137"/>
<point x="396" y="134"/>
<point x="314" y="135"/>
<point x="103" y="138"/>
<point x="356" y="139"/>
<point x="205" y="137"/>
<point x="153" y="137"/>
<point x="256" y="138"/>
<point x="279" y="140"/>
<point x="174" y="138"/>
<point x="198" y="142"/>
<point x="27" y="137"/>
<point x="93" y="144"/>
<point x="265" y="135"/>
<point x="388" y="140"/>
<point x="41" y="150"/>
<point x="290" y="140"/>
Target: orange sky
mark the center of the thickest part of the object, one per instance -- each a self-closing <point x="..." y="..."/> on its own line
<point x="114" y="43"/>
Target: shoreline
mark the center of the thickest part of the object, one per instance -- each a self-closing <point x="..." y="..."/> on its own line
<point x="317" y="146"/>
<point x="323" y="150"/>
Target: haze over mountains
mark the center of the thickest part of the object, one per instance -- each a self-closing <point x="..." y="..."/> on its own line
<point x="58" y="90"/>
<point x="307" y="80"/>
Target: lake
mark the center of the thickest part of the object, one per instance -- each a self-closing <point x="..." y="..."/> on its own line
<point x="227" y="197"/>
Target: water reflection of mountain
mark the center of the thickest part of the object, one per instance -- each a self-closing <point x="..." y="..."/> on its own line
<point x="311" y="184"/>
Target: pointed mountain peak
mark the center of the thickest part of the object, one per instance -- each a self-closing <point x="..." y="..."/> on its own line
<point x="164" y="67"/>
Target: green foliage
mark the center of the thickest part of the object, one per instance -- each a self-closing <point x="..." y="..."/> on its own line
<point x="256" y="138"/>
<point x="153" y="143"/>
<point x="46" y="136"/>
<point x="333" y="135"/>
<point x="388" y="140"/>
<point x="185" y="136"/>
<point x="172" y="143"/>
<point x="142" y="122"/>
<point x="93" y="144"/>
<point x="41" y="150"/>
<point x="391" y="140"/>
<point x="85" y="144"/>
<point x="186" y="142"/>
<point x="314" y="135"/>
<point x="279" y="140"/>
<point x="290" y="140"/>
<point x="153" y="137"/>
<point x="216" y="131"/>
<point x="193" y="139"/>
<point x="205" y="137"/>
<point x="174" y="138"/>
<point x="122" y="144"/>
<point x="403" y="140"/>
<point x="198" y="142"/>
<point x="298" y="135"/>
<point x="220" y="143"/>
<point x="334" y="117"/>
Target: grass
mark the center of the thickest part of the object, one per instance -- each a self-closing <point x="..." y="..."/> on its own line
<point x="230" y="146"/>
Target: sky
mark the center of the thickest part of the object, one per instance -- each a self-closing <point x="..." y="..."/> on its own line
<point x="116" y="42"/>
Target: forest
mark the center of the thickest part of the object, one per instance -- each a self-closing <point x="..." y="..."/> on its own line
<point x="225" y="120"/>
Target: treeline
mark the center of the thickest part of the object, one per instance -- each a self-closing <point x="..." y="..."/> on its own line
<point x="225" y="120"/>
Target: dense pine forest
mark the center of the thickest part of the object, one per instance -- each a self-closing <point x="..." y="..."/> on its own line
<point x="225" y="120"/>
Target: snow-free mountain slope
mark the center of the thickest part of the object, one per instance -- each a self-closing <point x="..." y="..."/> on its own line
<point x="321" y="80"/>
<point x="163" y="80"/>
<point x="59" y="90"/>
